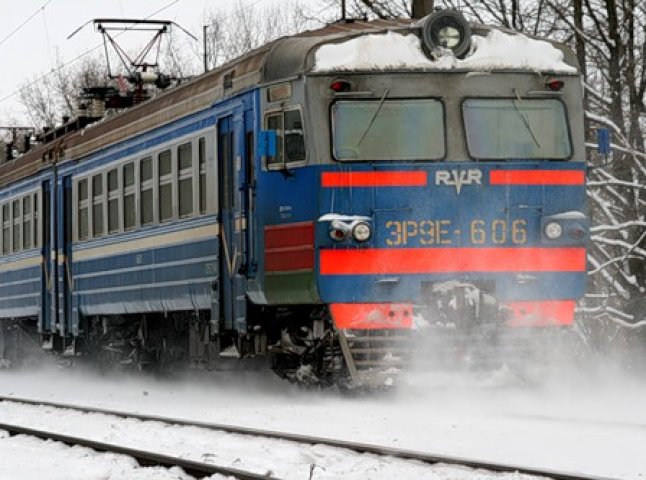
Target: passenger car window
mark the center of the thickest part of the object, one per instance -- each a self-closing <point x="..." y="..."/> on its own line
<point x="146" y="188"/>
<point x="97" y="205"/>
<point x="202" y="167"/>
<point x="83" y="207"/>
<point x="113" y="201"/>
<point x="6" y="229"/>
<point x="165" y="169"/>
<point x="26" y="222"/>
<point x="185" y="181"/>
<point x="129" y="217"/>
<point x="17" y="220"/>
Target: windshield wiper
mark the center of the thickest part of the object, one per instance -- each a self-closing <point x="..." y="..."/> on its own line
<point x="525" y="121"/>
<point x="374" y="117"/>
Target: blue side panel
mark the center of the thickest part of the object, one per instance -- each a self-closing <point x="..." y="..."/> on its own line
<point x="20" y="287"/>
<point x="125" y="274"/>
<point x="21" y="273"/>
<point x="134" y="272"/>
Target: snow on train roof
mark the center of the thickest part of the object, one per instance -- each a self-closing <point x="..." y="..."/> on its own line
<point x="498" y="50"/>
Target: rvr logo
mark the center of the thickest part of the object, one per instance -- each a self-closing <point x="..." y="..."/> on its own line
<point x="458" y="178"/>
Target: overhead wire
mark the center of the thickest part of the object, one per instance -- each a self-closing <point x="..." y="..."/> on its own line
<point x="96" y="47"/>
<point x="49" y="45"/>
<point x="87" y="52"/>
<point x="25" y="22"/>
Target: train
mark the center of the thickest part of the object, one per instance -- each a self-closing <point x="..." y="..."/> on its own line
<point x="317" y="202"/>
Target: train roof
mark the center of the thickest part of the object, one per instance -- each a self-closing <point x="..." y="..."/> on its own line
<point x="282" y="59"/>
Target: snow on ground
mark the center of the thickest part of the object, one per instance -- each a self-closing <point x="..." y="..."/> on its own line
<point x="579" y="423"/>
<point x="498" y="50"/>
<point x="285" y="460"/>
<point x="28" y="458"/>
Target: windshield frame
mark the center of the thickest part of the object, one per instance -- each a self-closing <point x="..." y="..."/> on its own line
<point x="376" y="101"/>
<point x="513" y="98"/>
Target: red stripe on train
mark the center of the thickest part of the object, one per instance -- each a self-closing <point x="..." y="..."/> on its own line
<point x="374" y="179"/>
<point x="289" y="247"/>
<point x="289" y="235"/>
<point x="536" y="177"/>
<point x="540" y="313"/>
<point x="370" y="316"/>
<point x="376" y="261"/>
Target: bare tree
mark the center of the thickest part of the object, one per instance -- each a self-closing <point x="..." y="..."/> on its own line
<point x="178" y="59"/>
<point x="38" y="99"/>
<point x="53" y="95"/>
<point x="232" y="32"/>
<point x="377" y="8"/>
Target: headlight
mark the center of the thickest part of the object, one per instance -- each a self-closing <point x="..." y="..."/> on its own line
<point x="361" y="232"/>
<point x="448" y="36"/>
<point x="447" y="29"/>
<point x="553" y="230"/>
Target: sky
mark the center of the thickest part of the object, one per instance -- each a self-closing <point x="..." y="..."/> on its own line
<point x="34" y="32"/>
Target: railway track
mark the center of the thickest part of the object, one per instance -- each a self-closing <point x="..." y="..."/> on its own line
<point x="143" y="457"/>
<point x="201" y="470"/>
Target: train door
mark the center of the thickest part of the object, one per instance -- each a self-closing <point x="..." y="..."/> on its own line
<point x="66" y="325"/>
<point x="250" y="194"/>
<point x="48" y="286"/>
<point x="230" y="149"/>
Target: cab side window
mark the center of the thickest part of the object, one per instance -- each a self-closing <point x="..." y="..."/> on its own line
<point x="290" y="141"/>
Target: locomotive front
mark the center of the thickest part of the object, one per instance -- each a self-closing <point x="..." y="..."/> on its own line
<point x="451" y="185"/>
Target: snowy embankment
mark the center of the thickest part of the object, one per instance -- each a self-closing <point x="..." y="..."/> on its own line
<point x="532" y="427"/>
<point x="285" y="460"/>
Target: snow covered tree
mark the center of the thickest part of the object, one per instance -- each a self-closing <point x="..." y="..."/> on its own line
<point x="609" y="38"/>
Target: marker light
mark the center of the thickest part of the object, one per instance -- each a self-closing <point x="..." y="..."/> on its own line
<point x="361" y="232"/>
<point x="576" y="232"/>
<point x="337" y="234"/>
<point x="553" y="230"/>
<point x="340" y="85"/>
<point x="554" y="84"/>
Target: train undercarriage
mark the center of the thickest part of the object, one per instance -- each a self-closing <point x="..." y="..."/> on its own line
<point x="461" y="328"/>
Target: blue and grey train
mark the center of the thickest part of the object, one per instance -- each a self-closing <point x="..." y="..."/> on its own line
<point x="304" y="204"/>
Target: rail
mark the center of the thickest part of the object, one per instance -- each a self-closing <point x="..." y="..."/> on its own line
<point x="143" y="457"/>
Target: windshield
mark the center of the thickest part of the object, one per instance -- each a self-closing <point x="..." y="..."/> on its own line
<point x="388" y="129"/>
<point x="516" y="128"/>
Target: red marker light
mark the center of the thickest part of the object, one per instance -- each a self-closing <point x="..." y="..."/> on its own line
<point x="340" y="85"/>
<point x="554" y="84"/>
<point x="337" y="234"/>
<point x="576" y="233"/>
